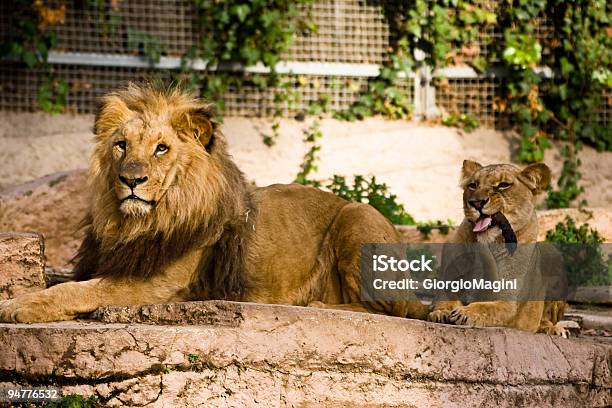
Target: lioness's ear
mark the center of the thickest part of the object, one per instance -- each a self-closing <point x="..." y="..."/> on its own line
<point x="469" y="168"/>
<point x="536" y="177"/>
<point x="198" y="123"/>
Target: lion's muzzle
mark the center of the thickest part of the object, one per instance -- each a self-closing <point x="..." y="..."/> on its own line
<point x="133" y="182"/>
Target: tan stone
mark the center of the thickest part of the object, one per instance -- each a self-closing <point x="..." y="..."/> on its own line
<point x="21" y="264"/>
<point x="54" y="206"/>
<point x="267" y="355"/>
<point x="599" y="295"/>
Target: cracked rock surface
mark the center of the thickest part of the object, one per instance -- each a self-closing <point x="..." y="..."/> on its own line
<point x="22" y="264"/>
<point x="242" y="354"/>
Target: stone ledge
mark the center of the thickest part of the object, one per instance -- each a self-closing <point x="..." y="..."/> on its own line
<point x="601" y="295"/>
<point x="21" y="264"/>
<point x="245" y="353"/>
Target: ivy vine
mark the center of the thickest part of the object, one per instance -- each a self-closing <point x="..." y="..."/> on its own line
<point x="564" y="106"/>
<point x="29" y="42"/>
<point x="246" y="34"/>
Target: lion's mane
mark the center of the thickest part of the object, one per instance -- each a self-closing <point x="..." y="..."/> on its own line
<point x="207" y="207"/>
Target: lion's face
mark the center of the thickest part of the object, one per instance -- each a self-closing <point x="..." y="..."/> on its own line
<point x="145" y="161"/>
<point x="501" y="188"/>
<point x="150" y="144"/>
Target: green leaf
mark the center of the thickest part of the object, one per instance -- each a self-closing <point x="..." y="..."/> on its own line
<point x="566" y="66"/>
<point x="30" y="59"/>
<point x="241" y="11"/>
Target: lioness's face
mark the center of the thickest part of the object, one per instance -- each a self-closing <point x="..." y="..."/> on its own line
<point x="144" y="163"/>
<point x="501" y="188"/>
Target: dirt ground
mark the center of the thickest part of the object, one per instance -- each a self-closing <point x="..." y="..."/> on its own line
<point x="420" y="164"/>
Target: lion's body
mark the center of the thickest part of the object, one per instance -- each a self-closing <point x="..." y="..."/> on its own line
<point x="505" y="189"/>
<point x="172" y="219"/>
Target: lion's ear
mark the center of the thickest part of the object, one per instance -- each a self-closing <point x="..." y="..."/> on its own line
<point x="536" y="177"/>
<point x="111" y="113"/>
<point x="199" y="123"/>
<point x="469" y="168"/>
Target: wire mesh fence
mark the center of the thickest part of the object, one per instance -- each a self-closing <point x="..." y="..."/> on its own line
<point x="348" y="31"/>
<point x="337" y="93"/>
<point x="130" y="27"/>
<point x="19" y="88"/>
<point x="473" y="96"/>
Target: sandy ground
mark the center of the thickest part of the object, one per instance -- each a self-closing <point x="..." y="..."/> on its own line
<point x="420" y="164"/>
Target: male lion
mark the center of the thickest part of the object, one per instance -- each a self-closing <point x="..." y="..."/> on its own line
<point x="172" y="219"/>
<point x="499" y="205"/>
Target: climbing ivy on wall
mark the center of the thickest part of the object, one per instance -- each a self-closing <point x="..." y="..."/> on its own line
<point x="577" y="50"/>
<point x="433" y="33"/>
<point x="243" y="33"/>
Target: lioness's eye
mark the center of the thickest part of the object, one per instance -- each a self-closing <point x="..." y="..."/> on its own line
<point x="161" y="149"/>
<point x="472" y="186"/>
<point x="503" y="186"/>
<point x="121" y="144"/>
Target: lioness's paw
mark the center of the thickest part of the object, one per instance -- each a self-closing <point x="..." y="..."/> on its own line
<point x="557" y="330"/>
<point x="439" y="316"/>
<point x="464" y="316"/>
<point x="30" y="308"/>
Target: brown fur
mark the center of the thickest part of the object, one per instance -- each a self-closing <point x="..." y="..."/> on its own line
<point x="172" y="220"/>
<point x="517" y="203"/>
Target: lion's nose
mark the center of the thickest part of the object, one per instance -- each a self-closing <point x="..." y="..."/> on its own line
<point x="133" y="182"/>
<point x="478" y="204"/>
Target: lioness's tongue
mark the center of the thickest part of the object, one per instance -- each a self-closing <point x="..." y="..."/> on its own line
<point x="482" y="223"/>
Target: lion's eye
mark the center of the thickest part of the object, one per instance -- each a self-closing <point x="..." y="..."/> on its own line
<point x="472" y="186"/>
<point x="503" y="186"/>
<point x="161" y="149"/>
<point x="121" y="145"/>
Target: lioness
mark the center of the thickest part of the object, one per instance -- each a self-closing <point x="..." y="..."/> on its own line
<point x="172" y="219"/>
<point x="499" y="200"/>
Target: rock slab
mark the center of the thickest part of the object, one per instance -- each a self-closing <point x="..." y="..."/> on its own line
<point x="54" y="206"/>
<point x="242" y="354"/>
<point x="22" y="264"/>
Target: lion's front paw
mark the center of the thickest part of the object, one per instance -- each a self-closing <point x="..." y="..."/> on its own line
<point x="439" y="316"/>
<point x="465" y="316"/>
<point x="30" y="308"/>
<point x="8" y="309"/>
